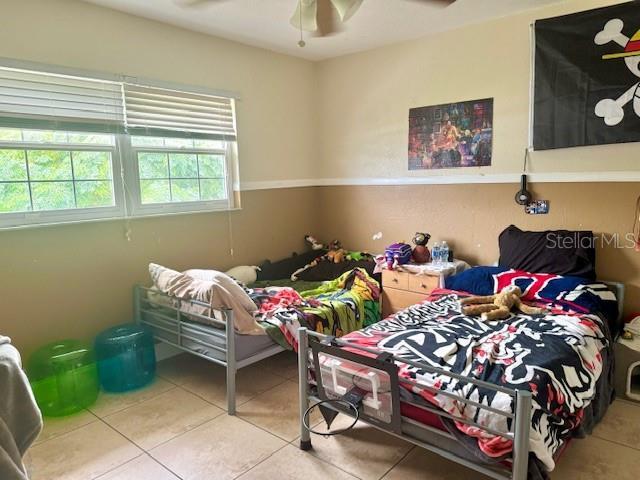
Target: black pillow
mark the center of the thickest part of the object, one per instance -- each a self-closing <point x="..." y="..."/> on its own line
<point x="329" y="270"/>
<point x="284" y="268"/>
<point x="563" y="252"/>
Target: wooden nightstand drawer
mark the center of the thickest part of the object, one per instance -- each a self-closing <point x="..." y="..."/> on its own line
<point x="394" y="279"/>
<point x="423" y="283"/>
<point x="395" y="300"/>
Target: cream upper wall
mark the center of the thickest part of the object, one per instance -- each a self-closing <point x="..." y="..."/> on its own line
<point x="364" y="101"/>
<point x="276" y="129"/>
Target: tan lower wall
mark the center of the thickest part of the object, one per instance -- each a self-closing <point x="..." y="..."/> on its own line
<point x="470" y="217"/>
<point x="75" y="280"/>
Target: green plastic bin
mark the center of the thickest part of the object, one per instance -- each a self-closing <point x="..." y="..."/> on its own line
<point x="64" y="377"/>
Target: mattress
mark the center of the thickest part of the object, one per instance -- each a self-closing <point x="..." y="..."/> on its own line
<point x="204" y="339"/>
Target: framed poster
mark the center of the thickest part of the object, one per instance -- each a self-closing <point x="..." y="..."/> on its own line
<point x="586" y="78"/>
<point x="452" y="135"/>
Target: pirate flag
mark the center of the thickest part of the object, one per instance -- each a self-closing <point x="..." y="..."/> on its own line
<point x="587" y="78"/>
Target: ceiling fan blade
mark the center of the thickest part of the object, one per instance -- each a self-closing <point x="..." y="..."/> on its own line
<point x="326" y="17"/>
<point x="195" y="3"/>
<point x="441" y="3"/>
<point x="305" y="15"/>
<point x="346" y="8"/>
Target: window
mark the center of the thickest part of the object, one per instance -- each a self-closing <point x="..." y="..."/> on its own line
<point x="75" y="148"/>
<point x="46" y="172"/>
<point x="180" y="170"/>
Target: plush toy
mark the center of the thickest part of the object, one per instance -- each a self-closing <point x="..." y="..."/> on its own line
<point x="397" y="254"/>
<point x="359" y="256"/>
<point x="498" y="306"/>
<point x="336" y="253"/>
<point x="313" y="241"/>
<point x="246" y="274"/>
<point x="421" y="253"/>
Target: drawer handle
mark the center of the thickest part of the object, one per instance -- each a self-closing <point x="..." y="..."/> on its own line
<point x="395" y="280"/>
<point x="422" y="285"/>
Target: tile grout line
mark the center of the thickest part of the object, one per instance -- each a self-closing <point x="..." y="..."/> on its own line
<point x="38" y="443"/>
<point x="237" y="404"/>
<point x="413" y="447"/>
<point x="107" y="472"/>
<point x="322" y="459"/>
<point x="134" y="404"/>
<point x="612" y="441"/>
<point x="185" y="432"/>
<point x="261" y="461"/>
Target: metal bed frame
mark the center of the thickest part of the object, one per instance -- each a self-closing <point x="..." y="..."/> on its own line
<point x="191" y="337"/>
<point x="437" y="441"/>
<point x="440" y="442"/>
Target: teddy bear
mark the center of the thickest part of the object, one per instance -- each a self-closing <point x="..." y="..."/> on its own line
<point x="336" y="253"/>
<point x="497" y="306"/>
<point x="420" y="252"/>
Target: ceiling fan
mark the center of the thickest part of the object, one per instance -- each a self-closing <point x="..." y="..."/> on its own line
<point x="322" y="17"/>
<point x="325" y="16"/>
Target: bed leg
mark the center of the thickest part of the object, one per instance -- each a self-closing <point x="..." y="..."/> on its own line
<point x="303" y="362"/>
<point x="231" y="364"/>
<point x="521" y="435"/>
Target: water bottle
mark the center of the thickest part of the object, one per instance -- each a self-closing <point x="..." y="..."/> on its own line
<point x="444" y="252"/>
<point x="435" y="253"/>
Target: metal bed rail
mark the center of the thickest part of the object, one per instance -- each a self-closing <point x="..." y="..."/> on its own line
<point x="426" y="436"/>
<point x="176" y="330"/>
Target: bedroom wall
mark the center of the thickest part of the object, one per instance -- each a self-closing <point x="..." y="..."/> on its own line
<point x="74" y="280"/>
<point x="363" y="103"/>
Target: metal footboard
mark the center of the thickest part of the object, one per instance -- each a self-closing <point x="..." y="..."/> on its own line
<point x="440" y="442"/>
<point x="214" y="340"/>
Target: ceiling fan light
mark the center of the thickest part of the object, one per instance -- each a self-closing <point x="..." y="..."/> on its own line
<point x="305" y="16"/>
<point x="346" y="8"/>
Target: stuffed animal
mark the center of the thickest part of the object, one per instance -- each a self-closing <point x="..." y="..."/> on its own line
<point x="313" y="241"/>
<point x="397" y="254"/>
<point x="421" y="253"/>
<point x="246" y="274"/>
<point x="336" y="253"/>
<point x="498" y="306"/>
<point x="359" y="256"/>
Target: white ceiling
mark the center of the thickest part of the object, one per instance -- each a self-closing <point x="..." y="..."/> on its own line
<point x="265" y="23"/>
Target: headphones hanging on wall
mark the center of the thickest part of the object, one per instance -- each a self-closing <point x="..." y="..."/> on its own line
<point x="523" y="197"/>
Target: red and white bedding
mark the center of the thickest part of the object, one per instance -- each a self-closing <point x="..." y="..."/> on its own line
<point x="557" y="356"/>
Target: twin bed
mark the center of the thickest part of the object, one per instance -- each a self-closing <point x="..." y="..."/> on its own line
<point x="504" y="398"/>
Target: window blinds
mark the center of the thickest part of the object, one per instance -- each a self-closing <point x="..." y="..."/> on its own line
<point x="30" y="99"/>
<point x="163" y="112"/>
<point x="37" y="99"/>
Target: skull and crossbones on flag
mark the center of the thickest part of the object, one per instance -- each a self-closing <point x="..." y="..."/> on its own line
<point x="586" y="78"/>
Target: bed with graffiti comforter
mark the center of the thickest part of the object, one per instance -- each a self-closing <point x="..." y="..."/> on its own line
<point x="563" y="357"/>
<point x="334" y="307"/>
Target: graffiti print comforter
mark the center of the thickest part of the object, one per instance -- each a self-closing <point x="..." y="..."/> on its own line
<point x="557" y="356"/>
<point x="336" y="307"/>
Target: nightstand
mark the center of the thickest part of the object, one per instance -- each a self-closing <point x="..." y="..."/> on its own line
<point x="403" y="289"/>
<point x="628" y="369"/>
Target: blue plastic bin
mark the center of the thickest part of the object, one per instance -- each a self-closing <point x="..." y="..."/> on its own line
<point x="126" y="357"/>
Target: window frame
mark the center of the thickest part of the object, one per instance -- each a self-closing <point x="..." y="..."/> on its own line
<point x="126" y="185"/>
<point x="125" y="181"/>
<point x="68" y="215"/>
<point x="132" y="179"/>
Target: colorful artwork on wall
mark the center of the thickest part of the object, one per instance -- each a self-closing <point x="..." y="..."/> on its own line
<point x="452" y="135"/>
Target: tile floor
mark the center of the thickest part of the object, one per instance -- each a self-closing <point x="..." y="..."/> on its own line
<point x="177" y="429"/>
